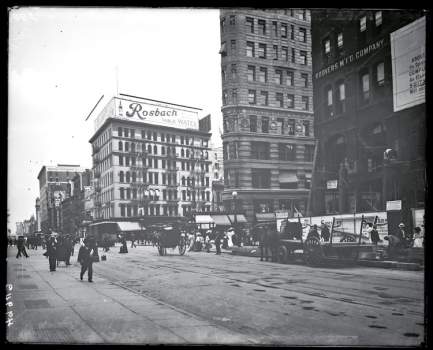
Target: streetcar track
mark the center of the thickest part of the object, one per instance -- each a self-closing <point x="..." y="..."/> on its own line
<point x="338" y="297"/>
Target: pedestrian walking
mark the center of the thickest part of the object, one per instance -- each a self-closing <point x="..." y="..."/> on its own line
<point x="21" y="247"/>
<point x="85" y="258"/>
<point x="374" y="235"/>
<point x="324" y="232"/>
<point x="68" y="249"/>
<point x="123" y="248"/>
<point x="133" y="245"/>
<point x="218" y="242"/>
<point x="51" y="252"/>
<point x="313" y="233"/>
<point x="207" y="242"/>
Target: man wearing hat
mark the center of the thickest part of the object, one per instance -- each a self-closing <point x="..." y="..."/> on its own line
<point x="52" y="251"/>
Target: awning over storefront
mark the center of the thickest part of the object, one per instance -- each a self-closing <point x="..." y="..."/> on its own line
<point x="203" y="219"/>
<point x="240" y="218"/>
<point x="308" y="175"/>
<point x="221" y="220"/>
<point x="265" y="216"/>
<point x="128" y="226"/>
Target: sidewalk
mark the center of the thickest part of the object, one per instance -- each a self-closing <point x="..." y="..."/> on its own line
<point x="254" y="251"/>
<point x="56" y="307"/>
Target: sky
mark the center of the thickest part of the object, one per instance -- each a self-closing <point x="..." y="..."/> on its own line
<point x="61" y="60"/>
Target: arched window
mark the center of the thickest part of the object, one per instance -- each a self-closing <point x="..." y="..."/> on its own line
<point x="187" y="153"/>
<point x="134" y="176"/>
<point x="128" y="179"/>
<point x="149" y="149"/>
<point x="155" y="149"/>
<point x="162" y="150"/>
<point x="120" y="146"/>
<point x="183" y="180"/>
<point x="121" y="176"/>
<point x="132" y="147"/>
<point x="182" y="153"/>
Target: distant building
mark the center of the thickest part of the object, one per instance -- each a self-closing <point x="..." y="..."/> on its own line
<point x="369" y="152"/>
<point x="150" y="160"/>
<point x="267" y="106"/>
<point x="217" y="179"/>
<point x="38" y="214"/>
<point x="73" y="212"/>
<point x="53" y="187"/>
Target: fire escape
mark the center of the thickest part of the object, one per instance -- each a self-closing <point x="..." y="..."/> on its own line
<point x="172" y="180"/>
<point x="196" y="185"/>
<point x="139" y="181"/>
<point x="96" y="182"/>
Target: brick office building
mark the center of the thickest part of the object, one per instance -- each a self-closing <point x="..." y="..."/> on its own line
<point x="150" y="159"/>
<point x="355" y="120"/>
<point x="268" y="138"/>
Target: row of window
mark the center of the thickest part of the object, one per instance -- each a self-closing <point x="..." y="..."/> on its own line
<point x="163" y="137"/>
<point x="165" y="150"/>
<point x="261" y="51"/>
<point x="170" y="195"/>
<point x="301" y="15"/>
<point x="337" y="40"/>
<point x="338" y="92"/>
<point x="261" y="150"/>
<point x="167" y="179"/>
<point x="275" y="29"/>
<point x="304" y="103"/>
<point x="261" y="178"/>
<point x="148" y="210"/>
<point x="165" y="164"/>
<point x="127" y="210"/>
<point x="284" y="126"/>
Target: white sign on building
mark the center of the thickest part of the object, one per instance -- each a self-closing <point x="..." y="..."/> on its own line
<point x="393" y="205"/>
<point x="149" y="112"/>
<point x="408" y="64"/>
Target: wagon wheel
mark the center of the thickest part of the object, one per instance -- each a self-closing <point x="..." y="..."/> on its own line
<point x="313" y="253"/>
<point x="282" y="254"/>
<point x="182" y="246"/>
<point x="348" y="238"/>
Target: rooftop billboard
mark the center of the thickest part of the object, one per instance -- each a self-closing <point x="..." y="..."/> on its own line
<point x="150" y="112"/>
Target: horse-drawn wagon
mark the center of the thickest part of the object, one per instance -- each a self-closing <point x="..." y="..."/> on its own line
<point x="288" y="245"/>
<point x="169" y="236"/>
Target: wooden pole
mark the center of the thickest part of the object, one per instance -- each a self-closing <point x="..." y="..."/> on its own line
<point x="332" y="228"/>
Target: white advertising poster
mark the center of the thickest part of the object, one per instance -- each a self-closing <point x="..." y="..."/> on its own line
<point x="149" y="112"/>
<point x="408" y="65"/>
<point x="346" y="224"/>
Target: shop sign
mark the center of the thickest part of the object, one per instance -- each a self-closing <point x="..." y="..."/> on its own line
<point x="350" y="58"/>
<point x="393" y="205"/>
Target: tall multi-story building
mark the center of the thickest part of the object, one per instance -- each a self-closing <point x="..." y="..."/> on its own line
<point x="73" y="212"/>
<point x="370" y="152"/>
<point x="267" y="95"/>
<point x="150" y="160"/>
<point x="53" y="186"/>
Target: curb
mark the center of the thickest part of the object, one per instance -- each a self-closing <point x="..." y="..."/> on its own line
<point x="368" y="263"/>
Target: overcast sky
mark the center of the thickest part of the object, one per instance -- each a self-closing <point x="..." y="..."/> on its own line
<point x="61" y="60"/>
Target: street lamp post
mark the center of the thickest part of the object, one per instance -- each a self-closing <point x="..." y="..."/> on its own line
<point x="235" y="221"/>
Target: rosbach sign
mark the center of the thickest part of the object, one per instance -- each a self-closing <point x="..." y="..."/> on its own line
<point x="148" y="112"/>
<point x="350" y="58"/>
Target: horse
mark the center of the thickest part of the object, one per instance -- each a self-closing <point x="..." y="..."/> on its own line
<point x="268" y="241"/>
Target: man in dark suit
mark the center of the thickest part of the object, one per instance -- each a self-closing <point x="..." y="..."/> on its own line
<point x="85" y="258"/>
<point x="21" y="247"/>
<point x="52" y="252"/>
